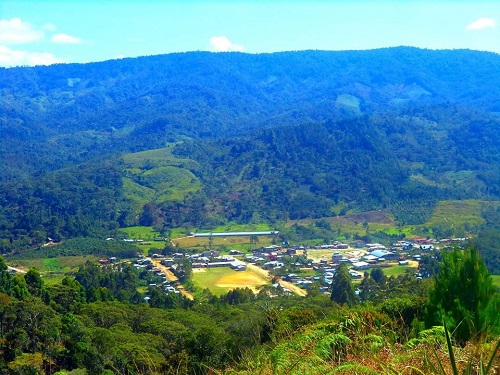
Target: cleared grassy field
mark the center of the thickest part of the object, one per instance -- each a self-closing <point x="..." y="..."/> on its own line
<point x="399" y="270"/>
<point x="454" y="214"/>
<point x="237" y="243"/>
<point x="53" y="270"/>
<point x="139" y="232"/>
<point x="459" y="213"/>
<point x="158" y="175"/>
<point x="496" y="280"/>
<point x="221" y="280"/>
<point x="355" y="223"/>
<point x="55" y="265"/>
<point x="147" y="234"/>
<point x="234" y="227"/>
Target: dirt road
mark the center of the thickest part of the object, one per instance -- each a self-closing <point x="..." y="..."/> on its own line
<point x="292" y="287"/>
<point x="172" y="278"/>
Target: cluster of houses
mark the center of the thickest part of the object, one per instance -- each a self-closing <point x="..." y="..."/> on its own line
<point x="272" y="258"/>
<point x="335" y="245"/>
<point x="159" y="277"/>
<point x="213" y="259"/>
<point x="110" y="260"/>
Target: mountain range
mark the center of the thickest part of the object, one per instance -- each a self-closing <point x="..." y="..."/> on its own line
<point x="198" y="139"/>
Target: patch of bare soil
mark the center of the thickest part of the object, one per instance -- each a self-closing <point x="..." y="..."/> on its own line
<point x="241" y="280"/>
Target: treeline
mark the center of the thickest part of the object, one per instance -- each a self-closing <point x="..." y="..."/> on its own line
<point x="99" y="322"/>
<point x="488" y="239"/>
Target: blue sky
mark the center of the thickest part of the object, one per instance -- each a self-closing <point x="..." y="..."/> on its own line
<point x="34" y="32"/>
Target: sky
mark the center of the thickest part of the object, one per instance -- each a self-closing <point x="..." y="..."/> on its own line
<point x="43" y="32"/>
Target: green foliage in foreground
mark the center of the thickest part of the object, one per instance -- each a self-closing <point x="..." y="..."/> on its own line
<point x="98" y="321"/>
<point x="358" y="341"/>
<point x="463" y="296"/>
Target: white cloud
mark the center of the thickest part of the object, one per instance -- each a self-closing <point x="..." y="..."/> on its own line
<point x="9" y="57"/>
<point x="49" y="27"/>
<point x="16" y="31"/>
<point x="481" y="23"/>
<point x="65" y="39"/>
<point x="223" y="44"/>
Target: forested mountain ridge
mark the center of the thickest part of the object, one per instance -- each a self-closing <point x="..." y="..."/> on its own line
<point x="251" y="137"/>
<point x="202" y="94"/>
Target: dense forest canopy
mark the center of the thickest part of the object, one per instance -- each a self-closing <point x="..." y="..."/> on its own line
<point x="202" y="138"/>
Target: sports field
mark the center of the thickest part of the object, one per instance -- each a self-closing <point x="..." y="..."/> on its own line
<point x="221" y="280"/>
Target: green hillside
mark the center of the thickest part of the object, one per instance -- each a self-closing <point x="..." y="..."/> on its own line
<point x="202" y="140"/>
<point x="158" y="176"/>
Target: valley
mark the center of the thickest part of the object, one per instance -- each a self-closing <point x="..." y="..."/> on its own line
<point x="307" y="212"/>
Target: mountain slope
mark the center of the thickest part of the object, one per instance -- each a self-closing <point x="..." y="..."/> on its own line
<point x="88" y="109"/>
<point x="250" y="137"/>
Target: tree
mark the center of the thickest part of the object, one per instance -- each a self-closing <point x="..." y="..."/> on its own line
<point x="368" y="288"/>
<point x="254" y="239"/>
<point x="342" y="289"/>
<point x="5" y="278"/>
<point x="378" y="275"/>
<point x="461" y="296"/>
<point x="34" y="281"/>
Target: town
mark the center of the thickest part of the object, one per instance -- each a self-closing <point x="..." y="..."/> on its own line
<point x="292" y="269"/>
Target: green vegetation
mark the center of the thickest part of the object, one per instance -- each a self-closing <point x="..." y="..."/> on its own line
<point x="235" y="227"/>
<point x="496" y="280"/>
<point x="463" y="296"/>
<point x="220" y="280"/>
<point x="209" y="279"/>
<point x="144" y="151"/>
<point x="375" y="146"/>
<point x="342" y="289"/>
<point x="156" y="175"/>
<point x="100" y="322"/>
<point x="62" y="264"/>
<point x="141" y="232"/>
<point x="399" y="270"/>
<point x="458" y="217"/>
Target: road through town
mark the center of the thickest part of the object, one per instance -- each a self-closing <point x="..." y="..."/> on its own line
<point x="172" y="278"/>
<point x="284" y="284"/>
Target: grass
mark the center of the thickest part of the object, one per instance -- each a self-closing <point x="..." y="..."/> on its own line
<point x="140" y="232"/>
<point x="458" y="214"/>
<point x="306" y="272"/>
<point x="53" y="270"/>
<point x="355" y="223"/>
<point x="209" y="278"/>
<point x="161" y="156"/>
<point x="158" y="175"/>
<point x="136" y="193"/>
<point x="399" y="270"/>
<point x="234" y="227"/>
<point x="236" y="243"/>
<point x="52" y="279"/>
<point x="214" y="278"/>
<point x="55" y="265"/>
<point x="496" y="280"/>
<point x="179" y="232"/>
